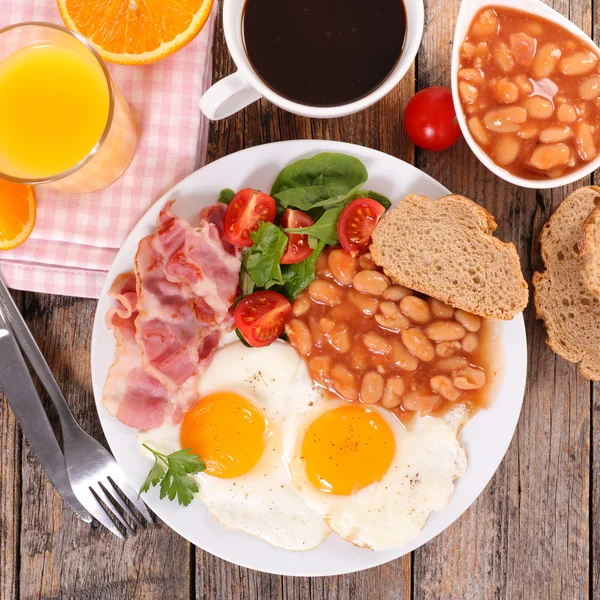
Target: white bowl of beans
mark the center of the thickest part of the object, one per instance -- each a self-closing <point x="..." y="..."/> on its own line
<point x="526" y="89"/>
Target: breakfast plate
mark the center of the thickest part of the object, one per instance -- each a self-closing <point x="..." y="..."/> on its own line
<point x="485" y="437"/>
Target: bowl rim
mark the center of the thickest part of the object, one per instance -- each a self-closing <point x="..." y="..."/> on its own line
<point x="466" y="13"/>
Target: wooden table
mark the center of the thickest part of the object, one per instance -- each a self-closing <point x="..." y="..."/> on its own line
<point x="532" y="534"/>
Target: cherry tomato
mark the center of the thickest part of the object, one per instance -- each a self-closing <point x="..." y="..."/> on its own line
<point x="246" y="211"/>
<point x="430" y="120"/>
<point x="297" y="249"/>
<point x="261" y="317"/>
<point x="356" y="224"/>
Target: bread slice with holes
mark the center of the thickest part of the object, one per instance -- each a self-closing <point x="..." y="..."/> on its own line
<point x="445" y="249"/>
<point x="562" y="299"/>
<point x="590" y="251"/>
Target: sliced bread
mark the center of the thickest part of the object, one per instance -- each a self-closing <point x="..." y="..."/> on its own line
<point x="570" y="312"/>
<point x="590" y="251"/>
<point x="446" y="249"/>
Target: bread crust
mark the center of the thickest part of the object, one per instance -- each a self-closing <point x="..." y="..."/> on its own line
<point x="472" y="224"/>
<point x="571" y="314"/>
<point x="590" y="251"/>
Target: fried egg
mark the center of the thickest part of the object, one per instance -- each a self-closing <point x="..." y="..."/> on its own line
<point x="374" y="481"/>
<point x="237" y="429"/>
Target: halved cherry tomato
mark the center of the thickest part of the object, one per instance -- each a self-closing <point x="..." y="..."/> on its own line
<point x="297" y="249"/>
<point x="246" y="211"/>
<point x="356" y="224"/>
<point x="261" y="317"/>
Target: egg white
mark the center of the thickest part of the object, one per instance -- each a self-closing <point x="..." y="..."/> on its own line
<point x="392" y="512"/>
<point x="262" y="502"/>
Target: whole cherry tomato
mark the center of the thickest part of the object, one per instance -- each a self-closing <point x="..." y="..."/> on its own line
<point x="430" y="119"/>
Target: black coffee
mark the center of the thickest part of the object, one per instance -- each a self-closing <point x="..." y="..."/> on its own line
<point x="324" y="52"/>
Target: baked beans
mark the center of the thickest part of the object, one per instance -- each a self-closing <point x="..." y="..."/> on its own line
<point x="368" y="340"/>
<point x="529" y="89"/>
<point x="370" y="282"/>
<point x="342" y="266"/>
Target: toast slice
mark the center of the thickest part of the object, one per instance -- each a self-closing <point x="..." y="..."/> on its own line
<point x="446" y="249"/>
<point x="590" y="251"/>
<point x="562" y="299"/>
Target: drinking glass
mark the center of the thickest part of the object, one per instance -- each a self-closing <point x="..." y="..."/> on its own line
<point x="115" y="145"/>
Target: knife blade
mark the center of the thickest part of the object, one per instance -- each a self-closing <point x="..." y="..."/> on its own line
<point x="22" y="397"/>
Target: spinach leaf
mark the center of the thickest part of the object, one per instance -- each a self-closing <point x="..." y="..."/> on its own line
<point x="226" y="196"/>
<point x="297" y="277"/>
<point x="383" y="200"/>
<point x="325" y="229"/>
<point x="327" y="179"/>
<point x="242" y="338"/>
<point x="262" y="259"/>
<point x="247" y="284"/>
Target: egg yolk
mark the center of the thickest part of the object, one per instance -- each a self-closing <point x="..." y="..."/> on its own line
<point x="227" y="431"/>
<point x="347" y="448"/>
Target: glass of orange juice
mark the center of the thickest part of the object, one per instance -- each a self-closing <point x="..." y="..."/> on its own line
<point x="63" y="121"/>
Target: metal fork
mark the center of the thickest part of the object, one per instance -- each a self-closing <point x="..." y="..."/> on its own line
<point x="92" y="471"/>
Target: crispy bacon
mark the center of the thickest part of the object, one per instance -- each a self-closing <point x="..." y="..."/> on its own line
<point x="169" y="318"/>
<point x="131" y="394"/>
<point x="186" y="283"/>
<point x="169" y="327"/>
<point x="216" y="214"/>
<point x="197" y="256"/>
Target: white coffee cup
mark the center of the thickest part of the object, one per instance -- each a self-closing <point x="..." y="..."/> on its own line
<point x="243" y="87"/>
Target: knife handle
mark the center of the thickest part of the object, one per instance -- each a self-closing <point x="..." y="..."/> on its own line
<point x="29" y="346"/>
<point x="22" y="397"/>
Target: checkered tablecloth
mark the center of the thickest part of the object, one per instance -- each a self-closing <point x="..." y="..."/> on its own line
<point x="76" y="237"/>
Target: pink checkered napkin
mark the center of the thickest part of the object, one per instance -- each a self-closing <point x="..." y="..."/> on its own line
<point x="76" y="237"/>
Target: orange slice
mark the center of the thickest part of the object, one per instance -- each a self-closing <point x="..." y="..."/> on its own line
<point x="17" y="214"/>
<point x="136" y="32"/>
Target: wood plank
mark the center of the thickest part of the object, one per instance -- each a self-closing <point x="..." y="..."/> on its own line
<point x="595" y="495"/>
<point x="10" y="501"/>
<point x="62" y="557"/>
<point x="379" y="127"/>
<point x="386" y="582"/>
<point x="527" y="535"/>
<point x="595" y="419"/>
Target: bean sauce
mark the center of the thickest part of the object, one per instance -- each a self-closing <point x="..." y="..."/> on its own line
<point x="530" y="91"/>
<point x="368" y="340"/>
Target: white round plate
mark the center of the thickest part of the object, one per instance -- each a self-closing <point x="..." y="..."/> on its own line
<point x="486" y="437"/>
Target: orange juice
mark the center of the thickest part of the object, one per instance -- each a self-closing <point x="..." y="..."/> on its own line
<point x="54" y="107"/>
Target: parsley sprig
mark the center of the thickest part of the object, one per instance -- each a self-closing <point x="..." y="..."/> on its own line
<point x="175" y="480"/>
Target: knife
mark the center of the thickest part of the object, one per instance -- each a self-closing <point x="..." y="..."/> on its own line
<point x="22" y="397"/>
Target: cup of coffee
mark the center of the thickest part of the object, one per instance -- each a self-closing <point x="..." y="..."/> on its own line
<point x="315" y="58"/>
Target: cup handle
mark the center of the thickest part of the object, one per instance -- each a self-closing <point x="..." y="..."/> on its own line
<point x="227" y="96"/>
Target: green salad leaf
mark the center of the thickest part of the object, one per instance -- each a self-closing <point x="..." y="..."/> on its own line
<point x="262" y="259"/>
<point x="175" y="480"/>
<point x="297" y="277"/>
<point x="247" y="284"/>
<point x="242" y="338"/>
<point x="325" y="229"/>
<point x="321" y="186"/>
<point x="226" y="196"/>
<point x="325" y="180"/>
